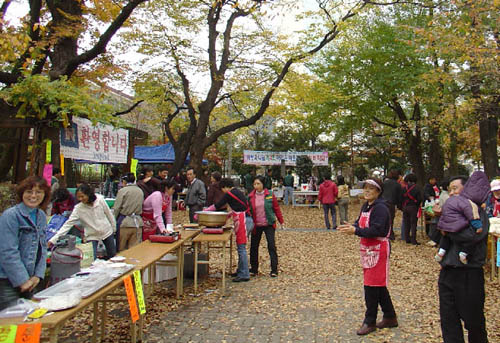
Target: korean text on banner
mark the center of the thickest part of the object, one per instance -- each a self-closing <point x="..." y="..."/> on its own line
<point x="100" y="143"/>
<point x="48" y="151"/>
<point x="129" y="289"/>
<point x="139" y="292"/>
<point x="268" y="158"/>
<point x="8" y="333"/>
<point x="29" y="333"/>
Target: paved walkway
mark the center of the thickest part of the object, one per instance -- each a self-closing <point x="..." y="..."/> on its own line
<point x="313" y="300"/>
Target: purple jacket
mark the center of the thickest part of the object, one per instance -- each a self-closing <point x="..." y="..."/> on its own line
<point x="458" y="211"/>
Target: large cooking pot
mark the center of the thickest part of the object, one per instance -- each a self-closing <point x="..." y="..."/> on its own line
<point x="212" y="218"/>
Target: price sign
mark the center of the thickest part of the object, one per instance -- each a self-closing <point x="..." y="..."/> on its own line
<point x="129" y="289"/>
<point x="61" y="158"/>
<point x="8" y="333"/>
<point x="133" y="166"/>
<point x="139" y="292"/>
<point x="29" y="333"/>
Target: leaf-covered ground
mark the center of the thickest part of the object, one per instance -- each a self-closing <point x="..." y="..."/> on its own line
<point x="318" y="296"/>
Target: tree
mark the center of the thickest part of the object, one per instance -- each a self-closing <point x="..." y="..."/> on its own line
<point x="304" y="167"/>
<point x="59" y="40"/>
<point x="241" y="62"/>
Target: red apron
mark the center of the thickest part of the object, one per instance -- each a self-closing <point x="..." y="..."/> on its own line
<point x="374" y="256"/>
<point x="240" y="228"/>
<point x="149" y="227"/>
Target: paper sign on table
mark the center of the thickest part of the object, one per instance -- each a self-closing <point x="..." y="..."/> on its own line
<point x="29" y="333"/>
<point x="8" y="333"/>
<point x="133" y="166"/>
<point x="47" y="173"/>
<point x="61" y="158"/>
<point x="48" y="151"/>
<point x="129" y="288"/>
<point x="139" y="292"/>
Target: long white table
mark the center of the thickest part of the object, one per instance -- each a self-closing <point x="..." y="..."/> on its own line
<point x="305" y="194"/>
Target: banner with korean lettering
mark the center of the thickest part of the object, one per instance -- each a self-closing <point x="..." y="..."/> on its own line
<point x="101" y="143"/>
<point x="268" y="158"/>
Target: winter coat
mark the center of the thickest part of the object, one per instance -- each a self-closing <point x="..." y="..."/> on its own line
<point x="97" y="220"/>
<point x="328" y="192"/>
<point x="196" y="194"/>
<point x="459" y="210"/>
<point x="393" y="193"/>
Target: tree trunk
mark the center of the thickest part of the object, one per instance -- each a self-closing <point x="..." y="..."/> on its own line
<point x="415" y="157"/>
<point x="436" y="155"/>
<point x="488" y="139"/>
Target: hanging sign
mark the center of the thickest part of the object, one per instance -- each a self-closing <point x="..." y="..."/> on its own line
<point x="269" y="158"/>
<point x="8" y="333"/>
<point x="48" y="151"/>
<point x="47" y="173"/>
<point x="61" y="160"/>
<point x="133" y="166"/>
<point x="139" y="292"/>
<point x="129" y="289"/>
<point x="100" y="143"/>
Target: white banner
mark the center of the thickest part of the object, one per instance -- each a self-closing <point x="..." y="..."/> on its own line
<point x="268" y="158"/>
<point x="102" y="143"/>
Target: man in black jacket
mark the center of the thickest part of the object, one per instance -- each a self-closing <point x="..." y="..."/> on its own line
<point x="461" y="286"/>
<point x="393" y="194"/>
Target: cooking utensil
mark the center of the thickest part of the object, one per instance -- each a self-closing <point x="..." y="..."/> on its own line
<point x="212" y="218"/>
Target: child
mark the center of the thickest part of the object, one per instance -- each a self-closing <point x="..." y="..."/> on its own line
<point x="462" y="211"/>
<point x="239" y="206"/>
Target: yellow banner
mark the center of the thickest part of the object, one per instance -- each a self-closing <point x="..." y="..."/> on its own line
<point x="48" y="151"/>
<point x="139" y="292"/>
<point x="133" y="166"/>
<point x="61" y="157"/>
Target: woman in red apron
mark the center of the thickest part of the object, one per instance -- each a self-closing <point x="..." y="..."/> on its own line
<point x="155" y="205"/>
<point x="373" y="226"/>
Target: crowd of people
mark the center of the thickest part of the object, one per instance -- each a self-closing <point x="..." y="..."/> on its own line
<point x="457" y="220"/>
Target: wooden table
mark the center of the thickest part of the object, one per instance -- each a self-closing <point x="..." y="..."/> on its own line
<point x="55" y="322"/>
<point x="142" y="256"/>
<point x="305" y="194"/>
<point x="223" y="239"/>
<point x="494" y="238"/>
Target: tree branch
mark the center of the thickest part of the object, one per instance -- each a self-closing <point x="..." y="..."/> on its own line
<point x="128" y="110"/>
<point x="100" y="46"/>
<point x="384" y="123"/>
<point x="3" y="9"/>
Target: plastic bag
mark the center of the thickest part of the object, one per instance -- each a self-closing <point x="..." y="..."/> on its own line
<point x="22" y="308"/>
<point x="55" y="223"/>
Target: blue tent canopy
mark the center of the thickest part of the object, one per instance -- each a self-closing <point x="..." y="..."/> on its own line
<point x="157" y="154"/>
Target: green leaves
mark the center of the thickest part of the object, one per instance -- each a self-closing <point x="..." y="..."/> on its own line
<point x="42" y="99"/>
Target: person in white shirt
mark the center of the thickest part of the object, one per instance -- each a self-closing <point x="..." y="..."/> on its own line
<point x="98" y="222"/>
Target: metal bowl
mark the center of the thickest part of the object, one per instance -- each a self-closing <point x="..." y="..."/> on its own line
<point x="212" y="218"/>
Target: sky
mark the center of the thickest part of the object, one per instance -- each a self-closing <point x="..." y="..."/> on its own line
<point x="284" y="23"/>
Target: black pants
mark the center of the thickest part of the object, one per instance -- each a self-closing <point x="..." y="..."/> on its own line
<point x="9" y="294"/>
<point x="461" y="297"/>
<point x="271" y="247"/>
<point x="373" y="297"/>
<point x="392" y="211"/>
<point x="410" y="223"/>
<point x="192" y="211"/>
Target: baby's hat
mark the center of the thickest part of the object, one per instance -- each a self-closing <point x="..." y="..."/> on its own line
<point x="495" y="185"/>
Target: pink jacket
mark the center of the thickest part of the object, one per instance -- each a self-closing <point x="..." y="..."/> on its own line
<point x="154" y="203"/>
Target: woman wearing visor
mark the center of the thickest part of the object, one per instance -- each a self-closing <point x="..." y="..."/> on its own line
<point x="373" y="227"/>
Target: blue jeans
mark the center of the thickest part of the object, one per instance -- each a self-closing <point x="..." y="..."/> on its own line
<point x="289" y="192"/>
<point x="242" y="271"/>
<point x="109" y="243"/>
<point x="330" y="208"/>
